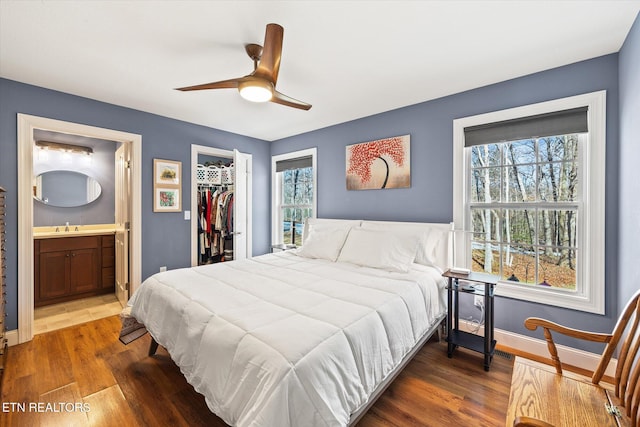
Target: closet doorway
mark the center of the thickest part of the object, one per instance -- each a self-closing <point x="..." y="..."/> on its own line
<point x="27" y="125"/>
<point x="240" y="186"/>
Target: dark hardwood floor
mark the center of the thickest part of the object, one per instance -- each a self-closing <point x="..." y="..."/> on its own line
<point x="117" y="385"/>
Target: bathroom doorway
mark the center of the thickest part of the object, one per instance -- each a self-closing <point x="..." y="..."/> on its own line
<point x="28" y="126"/>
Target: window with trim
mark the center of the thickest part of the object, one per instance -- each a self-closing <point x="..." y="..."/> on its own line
<point x="530" y="200"/>
<point x="294" y="195"/>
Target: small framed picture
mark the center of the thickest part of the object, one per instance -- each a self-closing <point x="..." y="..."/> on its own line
<point x="166" y="199"/>
<point x="166" y="172"/>
<point x="167" y="181"/>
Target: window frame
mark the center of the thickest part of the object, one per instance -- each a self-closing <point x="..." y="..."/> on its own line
<point x="590" y="293"/>
<point x="276" y="190"/>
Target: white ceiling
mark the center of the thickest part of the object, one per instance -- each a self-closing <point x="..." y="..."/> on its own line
<point x="350" y="59"/>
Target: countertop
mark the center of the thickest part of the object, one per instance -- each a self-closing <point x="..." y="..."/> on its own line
<point x="82" y="230"/>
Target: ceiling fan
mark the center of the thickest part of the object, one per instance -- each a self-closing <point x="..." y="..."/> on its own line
<point x="260" y="86"/>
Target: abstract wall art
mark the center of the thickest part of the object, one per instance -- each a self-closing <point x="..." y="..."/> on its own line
<point x="379" y="164"/>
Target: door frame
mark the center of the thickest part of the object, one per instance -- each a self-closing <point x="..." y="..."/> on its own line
<point x="243" y="204"/>
<point x="26" y="126"/>
<point x="123" y="222"/>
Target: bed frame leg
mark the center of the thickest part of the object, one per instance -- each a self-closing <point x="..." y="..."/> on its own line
<point x="153" y="347"/>
<point x="440" y="330"/>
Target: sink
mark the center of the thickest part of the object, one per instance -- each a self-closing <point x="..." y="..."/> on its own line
<point x="82" y="230"/>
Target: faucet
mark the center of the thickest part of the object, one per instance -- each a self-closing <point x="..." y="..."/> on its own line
<point x="66" y="226"/>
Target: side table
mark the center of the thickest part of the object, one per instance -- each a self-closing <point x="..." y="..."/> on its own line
<point x="475" y="284"/>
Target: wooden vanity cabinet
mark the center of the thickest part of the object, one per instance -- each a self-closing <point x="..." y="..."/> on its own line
<point x="68" y="268"/>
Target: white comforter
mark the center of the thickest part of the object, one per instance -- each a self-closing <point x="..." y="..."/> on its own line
<point x="281" y="340"/>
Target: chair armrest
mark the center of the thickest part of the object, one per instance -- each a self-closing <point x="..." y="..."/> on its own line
<point x="530" y="422"/>
<point x="533" y="322"/>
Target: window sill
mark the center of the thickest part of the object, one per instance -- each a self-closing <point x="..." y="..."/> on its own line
<point x="558" y="298"/>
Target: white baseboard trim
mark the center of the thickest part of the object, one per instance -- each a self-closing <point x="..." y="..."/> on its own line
<point x="568" y="355"/>
<point x="12" y="337"/>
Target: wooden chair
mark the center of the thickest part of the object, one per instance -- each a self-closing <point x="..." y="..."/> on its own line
<point x="628" y="369"/>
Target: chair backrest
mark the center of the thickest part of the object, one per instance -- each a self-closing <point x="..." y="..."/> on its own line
<point x="628" y="369"/>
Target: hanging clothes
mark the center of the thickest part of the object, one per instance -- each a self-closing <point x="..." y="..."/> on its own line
<point x="215" y="222"/>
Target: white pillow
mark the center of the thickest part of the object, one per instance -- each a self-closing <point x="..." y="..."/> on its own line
<point x="432" y="249"/>
<point x="436" y="247"/>
<point x="379" y="249"/>
<point x="424" y="254"/>
<point x="325" y="223"/>
<point x="324" y="243"/>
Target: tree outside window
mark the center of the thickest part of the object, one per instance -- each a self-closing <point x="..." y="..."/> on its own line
<point x="293" y="195"/>
<point x="297" y="203"/>
<point x="524" y="205"/>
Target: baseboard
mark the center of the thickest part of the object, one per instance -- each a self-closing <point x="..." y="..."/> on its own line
<point x="568" y="355"/>
<point x="12" y="337"/>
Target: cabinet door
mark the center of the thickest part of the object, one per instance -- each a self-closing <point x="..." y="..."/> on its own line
<point x="108" y="262"/>
<point x="84" y="270"/>
<point x="54" y="273"/>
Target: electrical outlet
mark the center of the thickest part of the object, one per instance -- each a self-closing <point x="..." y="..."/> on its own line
<point x="478" y="301"/>
<point x="163" y="268"/>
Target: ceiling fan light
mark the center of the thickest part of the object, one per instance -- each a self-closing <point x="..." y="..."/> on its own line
<point x="256" y="90"/>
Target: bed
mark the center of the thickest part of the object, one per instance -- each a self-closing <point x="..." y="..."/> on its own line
<point x="302" y="337"/>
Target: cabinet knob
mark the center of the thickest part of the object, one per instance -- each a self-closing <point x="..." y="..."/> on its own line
<point x="67" y="255"/>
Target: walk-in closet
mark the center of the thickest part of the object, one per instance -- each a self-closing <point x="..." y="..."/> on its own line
<point x="215" y="181"/>
<point x="220" y="205"/>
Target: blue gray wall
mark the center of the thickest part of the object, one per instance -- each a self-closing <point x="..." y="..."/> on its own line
<point x="430" y="125"/>
<point x="629" y="182"/>
<point x="166" y="237"/>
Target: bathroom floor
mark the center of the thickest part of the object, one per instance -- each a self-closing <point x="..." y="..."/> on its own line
<point x="58" y="316"/>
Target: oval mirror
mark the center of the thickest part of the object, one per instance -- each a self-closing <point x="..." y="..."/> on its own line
<point x="66" y="189"/>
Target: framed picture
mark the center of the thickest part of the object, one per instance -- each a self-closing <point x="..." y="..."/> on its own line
<point x="380" y="164"/>
<point x="166" y="172"/>
<point x="166" y="200"/>
<point x="167" y="182"/>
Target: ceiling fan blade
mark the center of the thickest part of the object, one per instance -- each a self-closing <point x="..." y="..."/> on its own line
<point x="269" y="65"/>
<point x="258" y="85"/>
<point x="224" y="84"/>
<point x="282" y="99"/>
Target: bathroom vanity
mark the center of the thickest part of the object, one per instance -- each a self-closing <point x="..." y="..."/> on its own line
<point x="71" y="266"/>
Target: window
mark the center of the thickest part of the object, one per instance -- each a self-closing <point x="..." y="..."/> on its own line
<point x="294" y="195"/>
<point x="529" y="195"/>
<point x="523" y="210"/>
